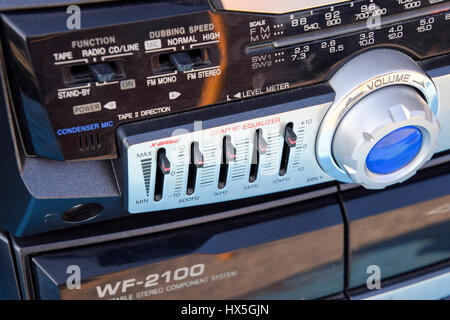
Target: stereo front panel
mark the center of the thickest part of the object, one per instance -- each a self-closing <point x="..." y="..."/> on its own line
<point x="212" y="104"/>
<point x="149" y="60"/>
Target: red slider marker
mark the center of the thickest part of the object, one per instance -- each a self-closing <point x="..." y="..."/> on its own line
<point x="231" y="155"/>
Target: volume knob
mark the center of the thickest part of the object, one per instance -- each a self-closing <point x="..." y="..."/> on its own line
<point x="382" y="126"/>
<point x="385" y="137"/>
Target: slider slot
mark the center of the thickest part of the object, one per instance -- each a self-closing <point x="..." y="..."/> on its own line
<point x="163" y="168"/>
<point x="284" y="160"/>
<point x="96" y="72"/>
<point x="254" y="166"/>
<point x="290" y="141"/>
<point x="192" y="177"/>
<point x="259" y="147"/>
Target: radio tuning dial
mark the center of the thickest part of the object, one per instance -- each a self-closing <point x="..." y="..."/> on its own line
<point x="382" y="126"/>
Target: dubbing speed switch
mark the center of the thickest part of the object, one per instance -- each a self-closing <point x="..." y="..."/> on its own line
<point x="182" y="61"/>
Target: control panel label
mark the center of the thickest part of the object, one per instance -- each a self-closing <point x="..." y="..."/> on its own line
<point x="87" y="108"/>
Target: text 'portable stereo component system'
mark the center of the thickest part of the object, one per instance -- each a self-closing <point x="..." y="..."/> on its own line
<point x="377" y="107"/>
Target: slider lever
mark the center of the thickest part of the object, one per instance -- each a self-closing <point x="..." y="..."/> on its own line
<point x="260" y="147"/>
<point x="182" y="61"/>
<point x="197" y="162"/>
<point x="196" y="156"/>
<point x="228" y="155"/>
<point x="290" y="141"/>
<point x="102" y="72"/>
<point x="261" y="142"/>
<point x="290" y="137"/>
<point x="163" y="163"/>
<point x="230" y="150"/>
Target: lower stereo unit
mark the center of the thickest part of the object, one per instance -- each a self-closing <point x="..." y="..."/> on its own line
<point x="164" y="105"/>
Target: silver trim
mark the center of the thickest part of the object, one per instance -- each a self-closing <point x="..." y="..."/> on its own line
<point x="371" y="119"/>
<point x="356" y="79"/>
<point x="272" y="6"/>
<point x="432" y="286"/>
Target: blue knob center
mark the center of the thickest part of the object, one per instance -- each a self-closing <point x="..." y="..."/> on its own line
<point x="395" y="150"/>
